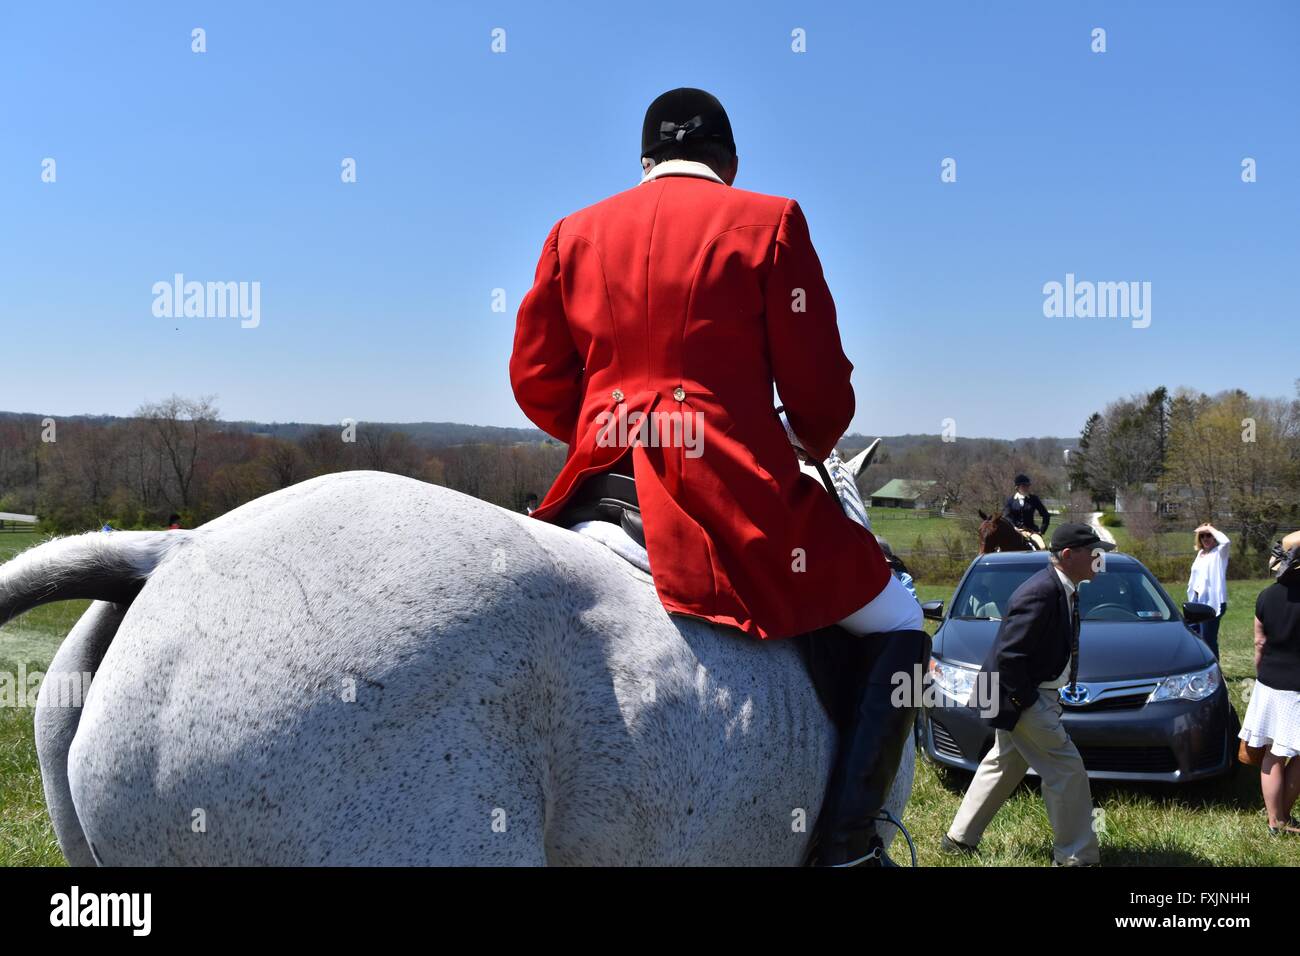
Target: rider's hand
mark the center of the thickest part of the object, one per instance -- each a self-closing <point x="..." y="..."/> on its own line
<point x="799" y="450"/>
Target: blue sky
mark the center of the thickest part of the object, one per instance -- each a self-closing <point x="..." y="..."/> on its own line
<point x="376" y="296"/>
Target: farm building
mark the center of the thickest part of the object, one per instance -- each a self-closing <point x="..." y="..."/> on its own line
<point x="903" y="493"/>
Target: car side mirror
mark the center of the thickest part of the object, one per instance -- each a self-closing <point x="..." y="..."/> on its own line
<point x="933" y="610"/>
<point x="1194" y="613"/>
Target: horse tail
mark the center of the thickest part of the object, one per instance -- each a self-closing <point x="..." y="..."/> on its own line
<point x="110" y="567"/>
<point x="103" y="566"/>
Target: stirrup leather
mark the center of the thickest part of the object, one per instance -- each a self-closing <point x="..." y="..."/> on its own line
<point x="887" y="817"/>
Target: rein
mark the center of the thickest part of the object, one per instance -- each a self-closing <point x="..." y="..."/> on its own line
<point x="825" y="475"/>
<point x="830" y="487"/>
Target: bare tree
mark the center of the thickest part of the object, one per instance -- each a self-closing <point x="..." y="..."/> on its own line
<point x="284" y="462"/>
<point x="179" y="426"/>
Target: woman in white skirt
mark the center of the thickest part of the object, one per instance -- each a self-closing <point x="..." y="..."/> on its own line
<point x="1272" y="719"/>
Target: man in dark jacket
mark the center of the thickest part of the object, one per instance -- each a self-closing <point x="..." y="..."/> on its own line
<point x="1021" y="508"/>
<point x="1035" y="654"/>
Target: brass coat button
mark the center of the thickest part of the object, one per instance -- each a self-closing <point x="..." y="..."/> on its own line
<point x="679" y="393"/>
<point x="618" y="395"/>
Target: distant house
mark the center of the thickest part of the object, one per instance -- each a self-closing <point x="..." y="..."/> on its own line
<point x="1180" y="500"/>
<point x="1169" y="501"/>
<point x="1141" y="498"/>
<point x="903" y="493"/>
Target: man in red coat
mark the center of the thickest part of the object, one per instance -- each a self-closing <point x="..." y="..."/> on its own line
<point x="658" y="322"/>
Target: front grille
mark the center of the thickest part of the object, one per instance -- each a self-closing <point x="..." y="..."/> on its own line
<point x="1120" y="702"/>
<point x="943" y="742"/>
<point x="1129" y="759"/>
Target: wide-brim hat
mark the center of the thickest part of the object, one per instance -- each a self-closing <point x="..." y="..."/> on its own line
<point x="1286" y="554"/>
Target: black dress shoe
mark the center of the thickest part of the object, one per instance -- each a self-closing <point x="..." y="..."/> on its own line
<point x="955" y="847"/>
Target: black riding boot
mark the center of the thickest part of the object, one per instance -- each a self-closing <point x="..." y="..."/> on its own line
<point x="870" y="750"/>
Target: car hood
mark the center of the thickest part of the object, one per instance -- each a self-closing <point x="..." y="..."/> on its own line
<point x="1108" y="650"/>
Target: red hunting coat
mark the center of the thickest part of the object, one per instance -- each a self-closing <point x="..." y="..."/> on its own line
<point x="684" y="295"/>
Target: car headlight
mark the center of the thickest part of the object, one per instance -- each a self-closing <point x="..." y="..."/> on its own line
<point x="1197" y="685"/>
<point x="954" y="680"/>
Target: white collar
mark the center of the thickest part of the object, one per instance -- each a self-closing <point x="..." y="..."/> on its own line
<point x="1069" y="585"/>
<point x="680" y="167"/>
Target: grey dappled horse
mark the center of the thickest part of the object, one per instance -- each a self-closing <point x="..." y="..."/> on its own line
<point x="368" y="669"/>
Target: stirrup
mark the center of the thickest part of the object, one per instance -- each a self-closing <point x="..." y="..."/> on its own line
<point x="877" y="853"/>
<point x="887" y="817"/>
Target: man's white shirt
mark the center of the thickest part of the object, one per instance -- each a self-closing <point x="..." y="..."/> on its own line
<point x="1071" y="595"/>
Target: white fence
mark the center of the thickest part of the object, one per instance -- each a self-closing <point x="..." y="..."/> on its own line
<point x="13" y="522"/>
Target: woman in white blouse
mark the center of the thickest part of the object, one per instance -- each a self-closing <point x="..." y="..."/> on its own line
<point x="1208" y="582"/>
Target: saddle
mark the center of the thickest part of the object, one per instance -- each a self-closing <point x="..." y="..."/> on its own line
<point x="608" y="496"/>
<point x="1034" y="538"/>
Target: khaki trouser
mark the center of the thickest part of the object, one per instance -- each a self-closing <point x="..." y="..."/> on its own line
<point x="1039" y="740"/>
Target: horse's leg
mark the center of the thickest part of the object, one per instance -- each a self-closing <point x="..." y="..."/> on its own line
<point x="58" y="715"/>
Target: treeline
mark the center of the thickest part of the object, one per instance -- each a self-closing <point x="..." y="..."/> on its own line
<point x="176" y="456"/>
<point x="1166" y="461"/>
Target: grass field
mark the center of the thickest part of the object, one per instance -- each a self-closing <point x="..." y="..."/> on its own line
<point x="906" y="532"/>
<point x="1215" y="823"/>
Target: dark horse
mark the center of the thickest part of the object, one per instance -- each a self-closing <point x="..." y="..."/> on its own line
<point x="997" y="533"/>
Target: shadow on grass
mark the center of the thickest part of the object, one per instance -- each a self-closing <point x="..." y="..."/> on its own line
<point x="1237" y="790"/>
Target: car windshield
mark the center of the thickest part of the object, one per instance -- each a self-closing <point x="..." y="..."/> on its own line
<point x="1127" y="593"/>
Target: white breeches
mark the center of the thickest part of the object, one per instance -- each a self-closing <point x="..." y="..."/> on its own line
<point x="893" y="609"/>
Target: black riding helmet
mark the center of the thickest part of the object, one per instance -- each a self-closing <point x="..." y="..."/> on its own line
<point x="682" y="114"/>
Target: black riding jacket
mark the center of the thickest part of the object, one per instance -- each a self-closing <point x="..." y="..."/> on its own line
<point x="1021" y="514"/>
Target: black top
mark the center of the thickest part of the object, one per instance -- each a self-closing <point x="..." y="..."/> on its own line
<point x="1022" y="513"/>
<point x="1033" y="644"/>
<point x="1278" y="609"/>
